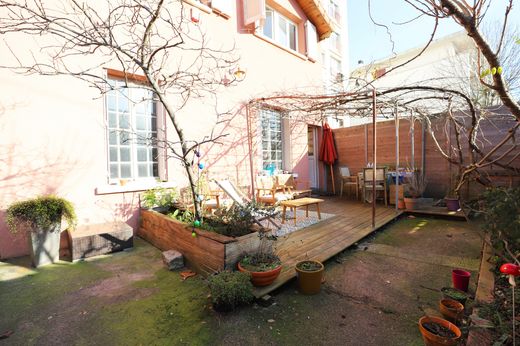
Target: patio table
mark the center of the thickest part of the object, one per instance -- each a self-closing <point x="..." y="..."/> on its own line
<point x="300" y="202"/>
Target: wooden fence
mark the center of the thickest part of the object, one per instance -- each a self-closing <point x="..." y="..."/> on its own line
<point x="354" y="146"/>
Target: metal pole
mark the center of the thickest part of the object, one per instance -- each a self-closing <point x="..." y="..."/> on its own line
<point x="396" y="158"/>
<point x="374" y="157"/>
<point x="250" y="145"/>
<point x="412" y="135"/>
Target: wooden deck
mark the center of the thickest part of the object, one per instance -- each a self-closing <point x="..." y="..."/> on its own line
<point x="321" y="241"/>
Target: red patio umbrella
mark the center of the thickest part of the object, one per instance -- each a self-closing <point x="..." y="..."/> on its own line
<point x="328" y="152"/>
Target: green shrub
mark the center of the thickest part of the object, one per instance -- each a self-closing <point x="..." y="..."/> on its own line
<point x="230" y="290"/>
<point x="160" y="197"/>
<point x="40" y="213"/>
<point x="502" y="216"/>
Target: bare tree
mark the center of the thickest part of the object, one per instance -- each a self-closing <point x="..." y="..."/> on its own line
<point x="150" y="40"/>
<point x="495" y="73"/>
<point x="460" y="71"/>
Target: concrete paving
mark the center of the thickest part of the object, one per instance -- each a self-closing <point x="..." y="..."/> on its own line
<point x="373" y="295"/>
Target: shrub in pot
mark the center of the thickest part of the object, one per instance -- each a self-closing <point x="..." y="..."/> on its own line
<point x="263" y="265"/>
<point x="309" y="276"/>
<point x="414" y="190"/>
<point x="230" y="290"/>
<point x="41" y="217"/>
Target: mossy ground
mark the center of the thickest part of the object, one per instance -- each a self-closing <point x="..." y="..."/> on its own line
<point x="370" y="297"/>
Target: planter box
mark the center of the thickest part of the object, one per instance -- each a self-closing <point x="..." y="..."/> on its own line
<point x="206" y="253"/>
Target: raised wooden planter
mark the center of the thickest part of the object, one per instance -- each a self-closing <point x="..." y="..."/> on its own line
<point x="206" y="253"/>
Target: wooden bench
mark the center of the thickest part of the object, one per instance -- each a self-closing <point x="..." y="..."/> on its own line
<point x="99" y="239"/>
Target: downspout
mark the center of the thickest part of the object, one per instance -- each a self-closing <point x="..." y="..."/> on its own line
<point x="396" y="158"/>
<point x="374" y="156"/>
<point x="250" y="145"/>
<point x="412" y="137"/>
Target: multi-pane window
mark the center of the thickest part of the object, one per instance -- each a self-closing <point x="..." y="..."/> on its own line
<point x="280" y="29"/>
<point x="335" y="42"/>
<point x="334" y="11"/>
<point x="335" y="69"/>
<point x="271" y="123"/>
<point x="132" y="132"/>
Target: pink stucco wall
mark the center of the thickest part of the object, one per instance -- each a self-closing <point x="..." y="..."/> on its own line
<point x="52" y="130"/>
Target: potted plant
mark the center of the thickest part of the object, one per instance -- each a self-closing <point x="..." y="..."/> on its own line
<point x="309" y="276"/>
<point x="455" y="294"/>
<point x="451" y="199"/>
<point x="263" y="265"/>
<point x="41" y="217"/>
<point x="230" y="290"/>
<point x="414" y="190"/>
<point x="437" y="331"/>
<point x="451" y="309"/>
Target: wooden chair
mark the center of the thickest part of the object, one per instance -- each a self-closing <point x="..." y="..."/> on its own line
<point x="381" y="185"/>
<point x="348" y="181"/>
<point x="268" y="191"/>
<point x="295" y="188"/>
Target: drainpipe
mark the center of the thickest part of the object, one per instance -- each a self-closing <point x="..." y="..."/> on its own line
<point x="374" y="156"/>
<point x="412" y="136"/>
<point x="396" y="158"/>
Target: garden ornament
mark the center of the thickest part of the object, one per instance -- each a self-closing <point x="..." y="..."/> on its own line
<point x="513" y="271"/>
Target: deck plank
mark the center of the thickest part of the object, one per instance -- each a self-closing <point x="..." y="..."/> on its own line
<point x="351" y="223"/>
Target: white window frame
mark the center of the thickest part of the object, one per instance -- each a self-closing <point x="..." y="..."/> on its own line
<point x="276" y="17"/>
<point x="280" y="163"/>
<point x="137" y="135"/>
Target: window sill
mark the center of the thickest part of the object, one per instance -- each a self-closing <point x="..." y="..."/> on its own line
<point x="133" y="186"/>
<point x="198" y="5"/>
<point x="288" y="50"/>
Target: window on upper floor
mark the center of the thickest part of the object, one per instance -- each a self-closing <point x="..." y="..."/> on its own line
<point x="335" y="69"/>
<point x="132" y="132"/>
<point x="280" y="29"/>
<point x="335" y="42"/>
<point x="334" y="11"/>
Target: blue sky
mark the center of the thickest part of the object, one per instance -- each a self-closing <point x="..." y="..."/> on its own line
<point x="368" y="42"/>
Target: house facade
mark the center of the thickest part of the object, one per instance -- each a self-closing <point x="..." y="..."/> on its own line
<point x="60" y="136"/>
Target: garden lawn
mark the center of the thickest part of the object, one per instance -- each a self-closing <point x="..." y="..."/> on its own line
<point x="373" y="295"/>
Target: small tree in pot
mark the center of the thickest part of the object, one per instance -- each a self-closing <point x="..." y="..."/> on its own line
<point x="264" y="265"/>
<point x="41" y="217"/>
<point x="414" y="190"/>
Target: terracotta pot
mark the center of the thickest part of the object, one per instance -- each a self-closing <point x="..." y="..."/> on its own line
<point x="260" y="279"/>
<point x="411" y="203"/>
<point x="431" y="339"/>
<point x="400" y="204"/>
<point x="452" y="203"/>
<point x="309" y="282"/>
<point x="451" y="309"/>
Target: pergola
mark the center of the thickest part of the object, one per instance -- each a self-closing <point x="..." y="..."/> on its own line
<point x="315" y="108"/>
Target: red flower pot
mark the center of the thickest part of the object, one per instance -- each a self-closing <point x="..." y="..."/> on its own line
<point x="460" y="279"/>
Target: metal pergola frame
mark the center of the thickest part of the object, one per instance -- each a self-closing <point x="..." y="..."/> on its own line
<point x="315" y="108"/>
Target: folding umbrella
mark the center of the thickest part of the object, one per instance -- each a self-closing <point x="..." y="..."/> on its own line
<point x="328" y="152"/>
